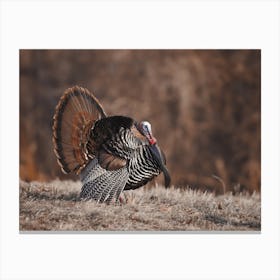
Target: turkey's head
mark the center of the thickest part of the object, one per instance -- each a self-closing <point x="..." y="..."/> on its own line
<point x="146" y="129"/>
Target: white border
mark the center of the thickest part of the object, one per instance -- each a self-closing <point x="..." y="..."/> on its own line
<point x="108" y="24"/>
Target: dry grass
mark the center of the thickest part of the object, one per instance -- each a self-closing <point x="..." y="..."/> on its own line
<point x="56" y="206"/>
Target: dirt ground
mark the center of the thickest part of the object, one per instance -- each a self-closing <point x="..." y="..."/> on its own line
<point x="55" y="206"/>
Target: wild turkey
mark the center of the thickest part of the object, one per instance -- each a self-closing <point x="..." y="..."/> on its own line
<point x="110" y="153"/>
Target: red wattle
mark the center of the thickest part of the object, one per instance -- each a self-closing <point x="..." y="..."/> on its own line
<point x="152" y="141"/>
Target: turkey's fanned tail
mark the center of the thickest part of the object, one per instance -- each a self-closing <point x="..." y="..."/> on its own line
<point x="74" y="117"/>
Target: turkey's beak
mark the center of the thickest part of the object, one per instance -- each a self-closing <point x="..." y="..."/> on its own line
<point x="159" y="159"/>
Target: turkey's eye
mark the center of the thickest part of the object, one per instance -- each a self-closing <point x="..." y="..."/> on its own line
<point x="146" y="128"/>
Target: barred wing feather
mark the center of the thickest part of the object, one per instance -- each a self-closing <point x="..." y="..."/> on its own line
<point x="102" y="185"/>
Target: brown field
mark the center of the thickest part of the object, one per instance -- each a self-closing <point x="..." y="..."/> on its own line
<point x="55" y="206"/>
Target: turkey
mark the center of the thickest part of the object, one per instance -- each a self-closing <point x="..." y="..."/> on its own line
<point x="109" y="153"/>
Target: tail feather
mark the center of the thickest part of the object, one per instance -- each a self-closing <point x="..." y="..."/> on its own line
<point x="75" y="115"/>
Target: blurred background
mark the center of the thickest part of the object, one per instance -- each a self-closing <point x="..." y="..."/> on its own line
<point x="204" y="107"/>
